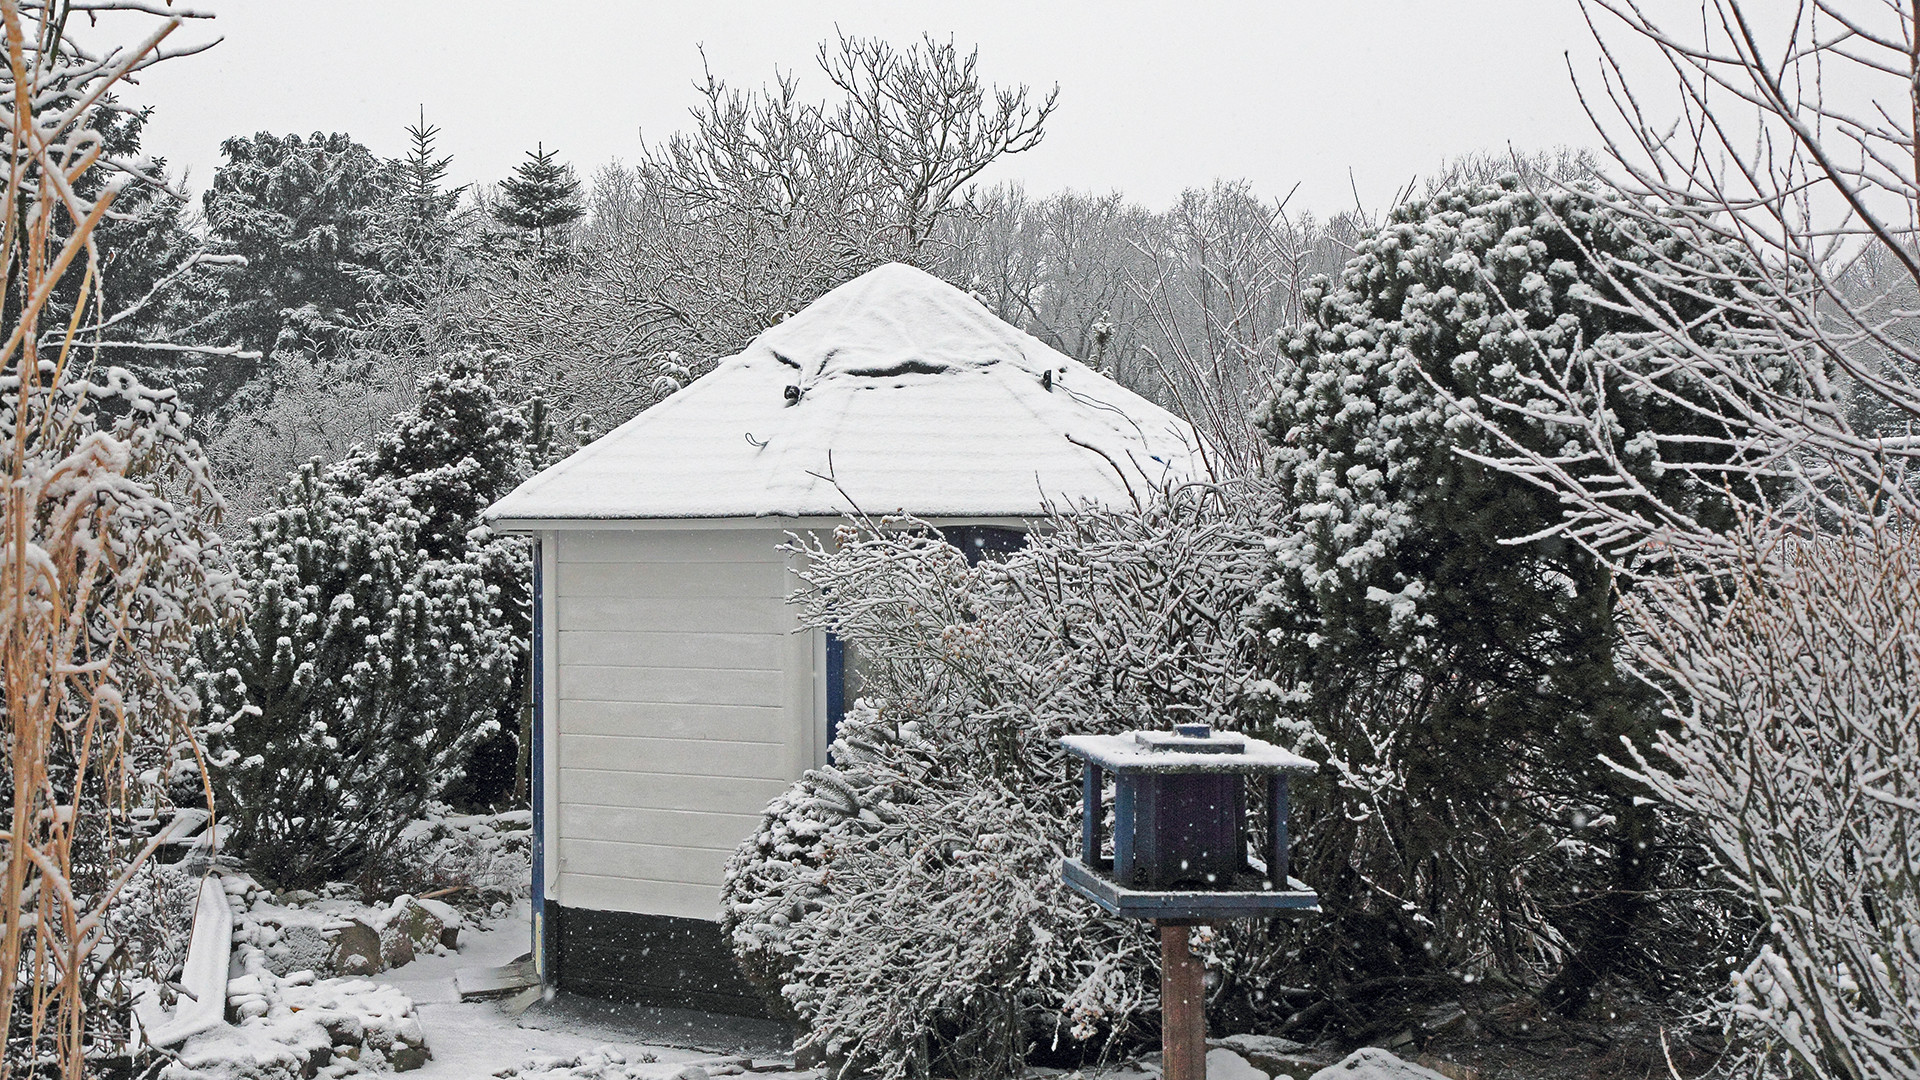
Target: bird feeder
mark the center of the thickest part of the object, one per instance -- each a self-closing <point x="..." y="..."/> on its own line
<point x="1180" y="835"/>
<point x="1181" y="855"/>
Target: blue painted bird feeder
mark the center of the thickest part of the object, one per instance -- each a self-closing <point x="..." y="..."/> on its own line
<point x="1180" y="853"/>
<point x="1180" y="826"/>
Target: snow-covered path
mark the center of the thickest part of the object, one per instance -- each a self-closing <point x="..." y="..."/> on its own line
<point x="475" y="1039"/>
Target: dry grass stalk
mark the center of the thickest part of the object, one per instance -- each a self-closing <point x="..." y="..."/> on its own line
<point x="108" y="557"/>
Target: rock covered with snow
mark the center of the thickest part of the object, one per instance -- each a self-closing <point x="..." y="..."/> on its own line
<point x="290" y="1022"/>
<point x="612" y="1063"/>
<point x="300" y="1026"/>
<point x="1224" y="1064"/>
<point x="335" y="935"/>
<point x="253" y="1052"/>
<point x="894" y="392"/>
<point x="1373" y="1063"/>
<point x="1272" y="1055"/>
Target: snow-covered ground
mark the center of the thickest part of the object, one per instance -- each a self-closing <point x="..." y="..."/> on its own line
<point x="472" y="1039"/>
<point x="287" y="1022"/>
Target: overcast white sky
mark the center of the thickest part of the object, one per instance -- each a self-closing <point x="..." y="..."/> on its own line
<point x="1154" y="97"/>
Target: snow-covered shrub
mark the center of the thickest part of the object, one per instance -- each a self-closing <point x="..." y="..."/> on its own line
<point x="1456" y="652"/>
<point x="109" y="556"/>
<point x="485" y="857"/>
<point x="905" y="900"/>
<point x="388" y="637"/>
<point x="111" y="560"/>
<point x="1787" y="645"/>
<point x="1795" y="682"/>
<point x="146" y="926"/>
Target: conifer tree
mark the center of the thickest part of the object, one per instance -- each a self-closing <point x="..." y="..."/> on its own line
<point x="423" y="206"/>
<point x="540" y="197"/>
<point x="304" y="212"/>
<point x="388" y="641"/>
<point x="1438" y="632"/>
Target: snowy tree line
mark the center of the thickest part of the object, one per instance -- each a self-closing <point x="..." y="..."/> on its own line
<point x="309" y="302"/>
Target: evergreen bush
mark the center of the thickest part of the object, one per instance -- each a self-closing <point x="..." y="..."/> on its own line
<point x="388" y="638"/>
<point x="1434" y="623"/>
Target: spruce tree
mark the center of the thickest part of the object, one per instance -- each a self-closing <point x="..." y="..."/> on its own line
<point x="423" y="207"/>
<point x="540" y="197"/>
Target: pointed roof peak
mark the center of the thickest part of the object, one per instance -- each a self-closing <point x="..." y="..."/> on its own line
<point x="894" y="392"/>
<point x="893" y="320"/>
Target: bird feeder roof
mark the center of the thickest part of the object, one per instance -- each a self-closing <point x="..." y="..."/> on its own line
<point x="1164" y="752"/>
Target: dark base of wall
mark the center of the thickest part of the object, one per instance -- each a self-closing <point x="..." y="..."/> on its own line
<point x="649" y="959"/>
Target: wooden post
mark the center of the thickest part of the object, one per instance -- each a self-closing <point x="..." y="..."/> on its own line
<point x="1183" y="1007"/>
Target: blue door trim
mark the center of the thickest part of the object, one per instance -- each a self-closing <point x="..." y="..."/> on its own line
<point x="536" y="766"/>
<point x="836" y="688"/>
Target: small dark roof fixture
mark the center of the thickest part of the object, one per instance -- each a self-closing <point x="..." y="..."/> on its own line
<point x="1180" y="826"/>
<point x="791" y="393"/>
<point x="1046" y="380"/>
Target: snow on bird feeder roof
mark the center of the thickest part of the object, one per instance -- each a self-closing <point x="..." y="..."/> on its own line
<point x="1182" y="852"/>
<point x="1181" y="751"/>
<point x="895" y="392"/>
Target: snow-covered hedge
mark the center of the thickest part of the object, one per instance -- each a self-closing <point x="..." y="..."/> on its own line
<point x="906" y="900"/>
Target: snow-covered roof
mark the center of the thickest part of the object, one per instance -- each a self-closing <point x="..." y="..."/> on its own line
<point x="911" y="397"/>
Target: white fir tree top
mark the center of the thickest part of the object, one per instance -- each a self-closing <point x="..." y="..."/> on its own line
<point x="895" y="392"/>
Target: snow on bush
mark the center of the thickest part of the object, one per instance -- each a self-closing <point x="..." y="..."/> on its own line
<point x="1795" y="680"/>
<point x="388" y="637"/>
<point x="906" y="900"/>
<point x="1785" y="648"/>
<point x="483" y="857"/>
<point x="145" y="927"/>
<point x="1456" y="652"/>
<point x="111" y="563"/>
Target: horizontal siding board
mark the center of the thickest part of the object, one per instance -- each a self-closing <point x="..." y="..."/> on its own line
<point x="664" y="791"/>
<point x="672" y="545"/>
<point x="614" y="648"/>
<point x="676" y="579"/>
<point x="645" y="862"/>
<point x="685" y="703"/>
<point x="732" y="723"/>
<point x="688" y="686"/>
<point x="683" y="757"/>
<point x="724" y="614"/>
<point x="641" y="825"/>
<point x="647" y="897"/>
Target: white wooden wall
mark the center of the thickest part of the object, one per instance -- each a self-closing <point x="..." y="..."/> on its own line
<point x="685" y="702"/>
